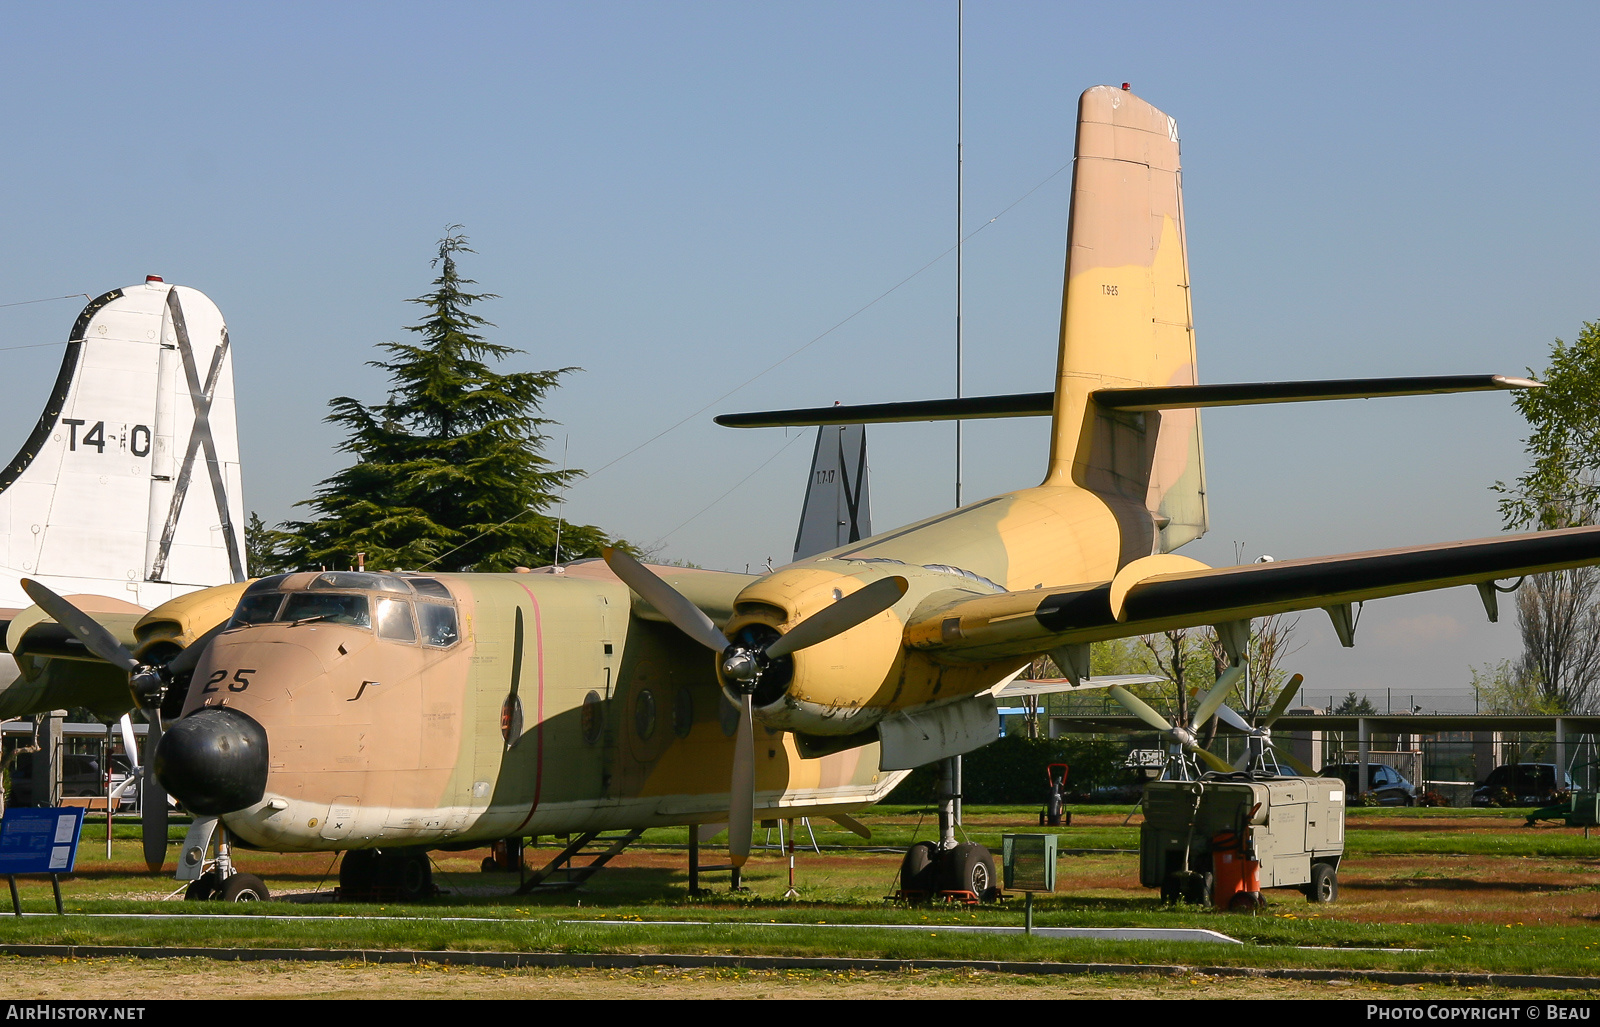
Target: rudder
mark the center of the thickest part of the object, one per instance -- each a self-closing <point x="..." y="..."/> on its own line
<point x="1126" y="322"/>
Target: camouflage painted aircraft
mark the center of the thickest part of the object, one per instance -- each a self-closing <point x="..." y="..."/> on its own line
<point x="397" y="713"/>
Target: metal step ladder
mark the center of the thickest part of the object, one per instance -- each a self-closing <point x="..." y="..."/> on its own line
<point x="561" y="875"/>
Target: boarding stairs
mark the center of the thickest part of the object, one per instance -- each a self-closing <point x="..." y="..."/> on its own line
<point x="563" y="874"/>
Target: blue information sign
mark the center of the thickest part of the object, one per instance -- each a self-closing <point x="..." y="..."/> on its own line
<point x="40" y="840"/>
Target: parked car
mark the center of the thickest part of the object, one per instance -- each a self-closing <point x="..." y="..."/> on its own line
<point x="1527" y="784"/>
<point x="1384" y="783"/>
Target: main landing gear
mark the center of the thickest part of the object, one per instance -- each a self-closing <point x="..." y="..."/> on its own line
<point x="386" y="875"/>
<point x="947" y="869"/>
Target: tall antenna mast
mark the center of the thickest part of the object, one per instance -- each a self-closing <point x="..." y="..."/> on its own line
<point x="960" y="128"/>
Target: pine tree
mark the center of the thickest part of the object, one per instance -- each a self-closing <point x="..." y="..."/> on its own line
<point x="448" y="472"/>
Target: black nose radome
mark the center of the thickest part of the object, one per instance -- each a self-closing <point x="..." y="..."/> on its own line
<point x="214" y="761"/>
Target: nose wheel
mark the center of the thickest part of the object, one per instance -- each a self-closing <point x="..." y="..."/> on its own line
<point x="221" y="881"/>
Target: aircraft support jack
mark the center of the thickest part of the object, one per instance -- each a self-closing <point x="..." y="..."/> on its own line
<point x="696" y="869"/>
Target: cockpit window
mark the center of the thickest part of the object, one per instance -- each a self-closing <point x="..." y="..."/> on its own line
<point x="365" y="580"/>
<point x="265" y="584"/>
<point x="394" y="621"/>
<point x="429" y="587"/>
<point x="256" y="609"/>
<point x="438" y="624"/>
<point x="327" y="606"/>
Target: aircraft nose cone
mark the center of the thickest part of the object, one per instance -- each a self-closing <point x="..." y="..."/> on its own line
<point x="214" y="761"/>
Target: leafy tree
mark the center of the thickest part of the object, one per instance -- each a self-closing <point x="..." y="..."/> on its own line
<point x="1355" y="704"/>
<point x="261" y="548"/>
<point x="1562" y="488"/>
<point x="448" y="472"/>
<point x="1560" y="611"/>
<point x="1501" y="689"/>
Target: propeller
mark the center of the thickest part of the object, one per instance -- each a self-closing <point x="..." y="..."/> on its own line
<point x="743" y="663"/>
<point x="1261" y="732"/>
<point x="148" y="683"/>
<point x="1185" y="734"/>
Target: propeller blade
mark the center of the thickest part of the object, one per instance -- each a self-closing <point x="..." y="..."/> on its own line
<point x="1285" y="697"/>
<point x="153" y="804"/>
<point x="860" y="605"/>
<point x="186" y="661"/>
<point x="87" y="630"/>
<point x="1215" y="698"/>
<point x="1137" y="706"/>
<point x="668" y="601"/>
<point x="1229" y="717"/>
<point x="129" y="746"/>
<point x="1299" y="768"/>
<point x="741" y="791"/>
<point x="1212" y="760"/>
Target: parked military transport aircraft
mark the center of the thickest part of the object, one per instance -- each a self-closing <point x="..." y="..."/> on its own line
<point x="394" y="712"/>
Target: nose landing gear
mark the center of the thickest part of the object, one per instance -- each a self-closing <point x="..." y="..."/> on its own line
<point x="216" y="879"/>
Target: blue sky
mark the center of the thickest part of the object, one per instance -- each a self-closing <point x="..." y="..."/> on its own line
<point x="674" y="196"/>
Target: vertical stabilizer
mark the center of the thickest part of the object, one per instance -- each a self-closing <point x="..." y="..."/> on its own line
<point x="837" y="508"/>
<point x="129" y="484"/>
<point x="1125" y="322"/>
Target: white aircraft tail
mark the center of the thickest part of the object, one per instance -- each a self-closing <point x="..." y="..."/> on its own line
<point x="129" y="485"/>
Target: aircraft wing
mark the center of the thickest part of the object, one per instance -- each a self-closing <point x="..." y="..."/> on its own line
<point x="1019" y="689"/>
<point x="1164" y="592"/>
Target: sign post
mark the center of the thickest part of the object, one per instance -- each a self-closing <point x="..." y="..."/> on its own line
<point x="35" y="840"/>
<point x="1030" y="865"/>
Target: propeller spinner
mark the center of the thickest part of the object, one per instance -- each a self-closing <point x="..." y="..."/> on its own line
<point x="743" y="662"/>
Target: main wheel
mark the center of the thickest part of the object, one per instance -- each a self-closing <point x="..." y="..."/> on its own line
<point x="968" y="867"/>
<point x="243" y="888"/>
<point x="1324" y="885"/>
<point x="203" y="887"/>
<point x="1171" y="890"/>
<point x="407" y="874"/>
<point x="916" y="868"/>
<point x="1199" y="889"/>
<point x="358" y="874"/>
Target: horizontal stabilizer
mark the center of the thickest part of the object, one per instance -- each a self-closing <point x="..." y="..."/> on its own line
<point x="1027" y="404"/>
<point x="1166" y="397"/>
<point x="1179" y="397"/>
<point x="1040" y="620"/>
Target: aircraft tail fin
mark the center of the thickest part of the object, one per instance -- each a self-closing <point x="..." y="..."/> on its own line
<point x="129" y="484"/>
<point x="837" y="508"/>
<point x="1126" y="323"/>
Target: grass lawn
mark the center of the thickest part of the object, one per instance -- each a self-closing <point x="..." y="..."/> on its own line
<point x="1424" y="890"/>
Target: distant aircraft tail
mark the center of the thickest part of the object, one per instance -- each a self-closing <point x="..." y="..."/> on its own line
<point x="129" y="484"/>
<point x="1126" y="322"/>
<point x="838" y="509"/>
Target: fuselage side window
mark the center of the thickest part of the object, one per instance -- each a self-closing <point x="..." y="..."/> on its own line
<point x="394" y="621"/>
<point x="438" y="624"/>
<point x="332" y="607"/>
